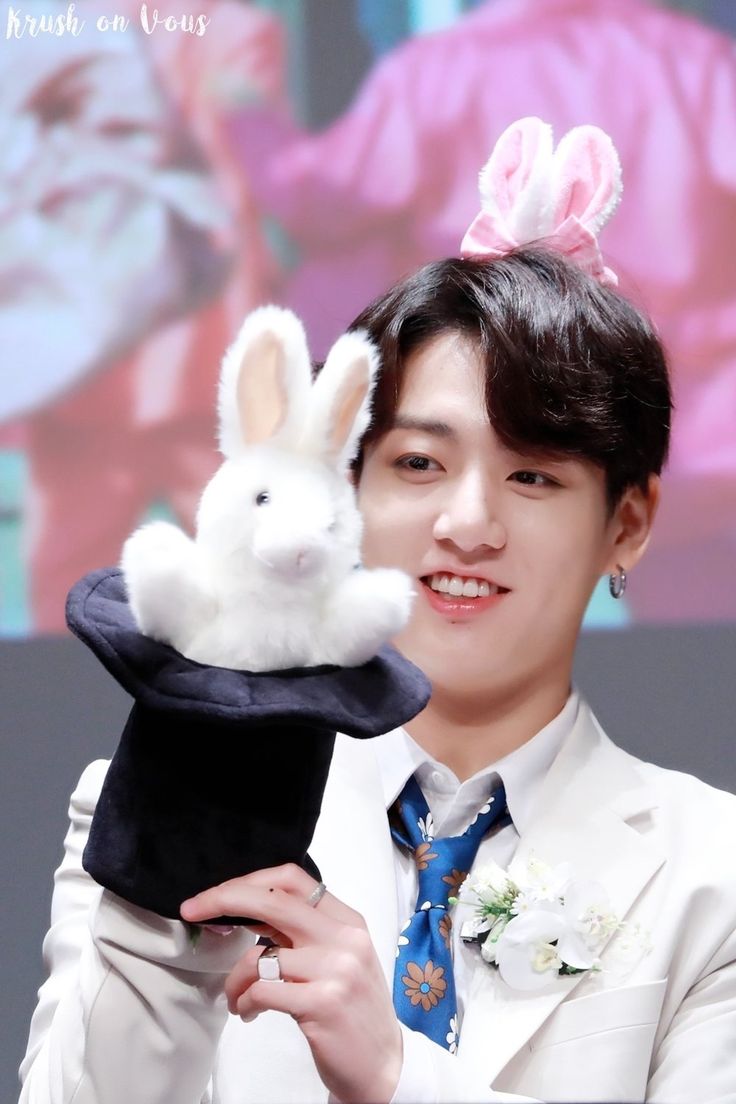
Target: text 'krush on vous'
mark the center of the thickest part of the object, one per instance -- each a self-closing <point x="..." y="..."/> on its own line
<point x="21" y="24"/>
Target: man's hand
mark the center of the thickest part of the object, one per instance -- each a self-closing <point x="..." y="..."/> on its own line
<point x="333" y="984"/>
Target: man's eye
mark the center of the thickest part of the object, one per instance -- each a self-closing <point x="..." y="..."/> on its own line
<point x="532" y="479"/>
<point x="415" y="463"/>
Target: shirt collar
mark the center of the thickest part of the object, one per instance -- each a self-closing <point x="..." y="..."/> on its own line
<point x="522" y="771"/>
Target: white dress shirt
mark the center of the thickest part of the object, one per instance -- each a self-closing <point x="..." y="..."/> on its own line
<point x="453" y="804"/>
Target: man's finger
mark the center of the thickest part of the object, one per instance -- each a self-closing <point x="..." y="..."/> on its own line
<point x="288" y="914"/>
<point x="297" y="999"/>
<point x="230" y="898"/>
<point x="303" y="964"/>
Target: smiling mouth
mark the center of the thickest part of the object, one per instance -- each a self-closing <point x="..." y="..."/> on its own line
<point x="458" y="586"/>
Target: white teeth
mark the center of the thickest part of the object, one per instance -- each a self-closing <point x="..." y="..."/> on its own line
<point x="459" y="587"/>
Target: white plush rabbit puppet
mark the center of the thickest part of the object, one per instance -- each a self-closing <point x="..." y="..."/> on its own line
<point x="272" y="579"/>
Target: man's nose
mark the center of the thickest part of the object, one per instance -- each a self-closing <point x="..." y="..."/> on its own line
<point x="470" y="515"/>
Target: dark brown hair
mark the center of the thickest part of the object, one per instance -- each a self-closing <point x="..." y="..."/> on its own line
<point x="572" y="368"/>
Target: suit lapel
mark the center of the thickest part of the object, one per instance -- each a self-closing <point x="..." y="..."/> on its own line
<point x="590" y="792"/>
<point x="352" y="844"/>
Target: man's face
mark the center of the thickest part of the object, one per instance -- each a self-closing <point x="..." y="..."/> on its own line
<point x="441" y="496"/>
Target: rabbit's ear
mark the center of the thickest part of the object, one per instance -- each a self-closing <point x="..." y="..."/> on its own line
<point x="586" y="177"/>
<point x="514" y="181"/>
<point x="265" y="381"/>
<point x="341" y="398"/>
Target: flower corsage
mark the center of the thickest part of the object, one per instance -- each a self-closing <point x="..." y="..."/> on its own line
<point x="538" y="924"/>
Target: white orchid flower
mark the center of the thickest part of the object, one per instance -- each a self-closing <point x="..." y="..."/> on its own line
<point x="523" y="951"/>
<point x="587" y="909"/>
<point x="541" y="882"/>
<point x="516" y="952"/>
<point x="489" y="883"/>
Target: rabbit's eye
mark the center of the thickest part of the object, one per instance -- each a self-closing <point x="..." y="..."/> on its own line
<point x="262" y="498"/>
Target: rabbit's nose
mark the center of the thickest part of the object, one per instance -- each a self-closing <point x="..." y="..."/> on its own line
<point x="296" y="563"/>
<point x="309" y="559"/>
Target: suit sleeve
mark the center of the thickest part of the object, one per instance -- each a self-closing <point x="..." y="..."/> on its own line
<point x="130" y="1011"/>
<point x="431" y="1075"/>
<point x="695" y="1059"/>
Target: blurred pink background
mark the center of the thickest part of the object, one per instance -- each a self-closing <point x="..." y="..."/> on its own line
<point x="156" y="187"/>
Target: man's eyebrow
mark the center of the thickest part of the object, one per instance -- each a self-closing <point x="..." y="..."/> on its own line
<point x="423" y="425"/>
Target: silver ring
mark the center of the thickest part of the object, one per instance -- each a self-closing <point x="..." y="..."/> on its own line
<point x="317" y="894"/>
<point x="268" y="965"/>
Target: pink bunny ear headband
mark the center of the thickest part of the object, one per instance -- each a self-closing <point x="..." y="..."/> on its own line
<point x="559" y="198"/>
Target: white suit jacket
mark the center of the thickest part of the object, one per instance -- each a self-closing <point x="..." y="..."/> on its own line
<point x="131" y="1014"/>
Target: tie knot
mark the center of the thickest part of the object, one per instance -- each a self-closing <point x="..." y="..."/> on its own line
<point x="442" y="863"/>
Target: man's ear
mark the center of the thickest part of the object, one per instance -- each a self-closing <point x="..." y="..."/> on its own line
<point x="632" y="524"/>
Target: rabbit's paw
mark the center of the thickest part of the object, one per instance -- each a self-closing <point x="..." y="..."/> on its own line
<point x="366" y="610"/>
<point x="165" y="581"/>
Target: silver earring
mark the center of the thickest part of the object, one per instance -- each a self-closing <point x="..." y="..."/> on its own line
<point x="617" y="582"/>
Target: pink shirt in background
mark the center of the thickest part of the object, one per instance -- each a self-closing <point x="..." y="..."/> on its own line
<point x="392" y="184"/>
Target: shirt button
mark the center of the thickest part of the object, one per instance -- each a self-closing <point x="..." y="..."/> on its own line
<point x="437" y="776"/>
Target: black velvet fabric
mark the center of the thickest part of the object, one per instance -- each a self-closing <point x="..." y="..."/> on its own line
<point x="218" y="772"/>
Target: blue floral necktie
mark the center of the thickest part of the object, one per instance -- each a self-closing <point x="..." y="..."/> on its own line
<point x="424" y="986"/>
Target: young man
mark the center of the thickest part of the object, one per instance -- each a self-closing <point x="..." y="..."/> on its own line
<point x="520" y="425"/>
